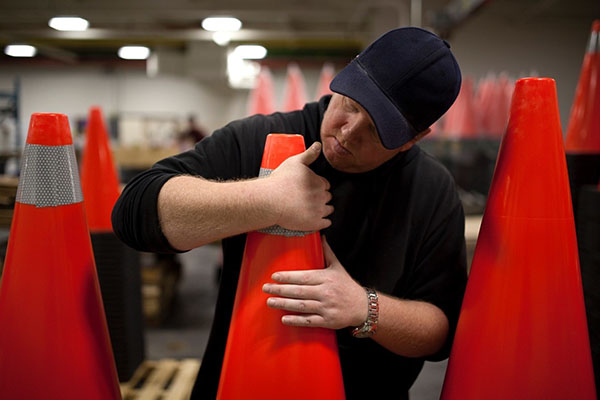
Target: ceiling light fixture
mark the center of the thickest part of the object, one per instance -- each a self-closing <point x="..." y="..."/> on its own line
<point x="20" y="50"/>
<point x="250" y="52"/>
<point x="215" y="24"/>
<point x="221" y="38"/>
<point x="68" y="23"/>
<point x="134" y="52"/>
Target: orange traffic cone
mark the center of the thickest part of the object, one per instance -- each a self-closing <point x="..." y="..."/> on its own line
<point x="262" y="97"/>
<point x="99" y="181"/>
<point x="459" y="120"/>
<point x="522" y="331"/>
<point x="54" y="340"/>
<point x="265" y="359"/>
<point x="583" y="132"/>
<point x="327" y="75"/>
<point x="294" y="96"/>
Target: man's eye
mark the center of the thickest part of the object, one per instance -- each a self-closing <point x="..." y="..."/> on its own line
<point x="351" y="107"/>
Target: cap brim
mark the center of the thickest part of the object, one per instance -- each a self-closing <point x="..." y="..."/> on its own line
<point x="354" y="82"/>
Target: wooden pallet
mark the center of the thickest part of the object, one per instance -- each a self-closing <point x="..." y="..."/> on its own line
<point x="165" y="379"/>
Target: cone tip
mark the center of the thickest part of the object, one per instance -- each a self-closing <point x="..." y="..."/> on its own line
<point x="49" y="129"/>
<point x="596" y="25"/>
<point x="536" y="80"/>
<point x="280" y="146"/>
<point x="540" y="85"/>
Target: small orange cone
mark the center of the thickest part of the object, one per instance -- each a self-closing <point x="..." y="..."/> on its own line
<point x="99" y="181"/>
<point x="294" y="95"/>
<point x="459" y="120"/>
<point x="262" y="97"/>
<point x="327" y="75"/>
<point x="54" y="341"/>
<point x="583" y="132"/>
<point x="522" y="331"/>
<point x="265" y="359"/>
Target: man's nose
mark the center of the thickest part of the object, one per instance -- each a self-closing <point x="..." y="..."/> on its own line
<point x="349" y="130"/>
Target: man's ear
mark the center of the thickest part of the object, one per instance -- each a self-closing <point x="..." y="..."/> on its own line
<point x="414" y="140"/>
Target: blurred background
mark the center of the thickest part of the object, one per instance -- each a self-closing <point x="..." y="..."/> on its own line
<point x="187" y="77"/>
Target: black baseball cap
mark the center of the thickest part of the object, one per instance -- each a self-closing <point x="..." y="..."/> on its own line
<point x="406" y="80"/>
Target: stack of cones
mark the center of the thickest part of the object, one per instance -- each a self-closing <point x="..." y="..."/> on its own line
<point x="459" y="121"/>
<point x="294" y="96"/>
<point x="118" y="266"/>
<point x="522" y="331"/>
<point x="583" y="133"/>
<point x="265" y="359"/>
<point x="99" y="181"/>
<point x="262" y="97"/>
<point x="54" y="340"/>
<point x="327" y="75"/>
<point x="583" y="161"/>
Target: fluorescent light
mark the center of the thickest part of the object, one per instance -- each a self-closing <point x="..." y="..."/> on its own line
<point x="221" y="38"/>
<point x="20" y="50"/>
<point x="250" y="51"/>
<point x="134" y="52"/>
<point x="68" y="23"/>
<point x="221" y="24"/>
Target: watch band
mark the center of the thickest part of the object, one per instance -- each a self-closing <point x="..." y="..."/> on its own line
<point x="368" y="328"/>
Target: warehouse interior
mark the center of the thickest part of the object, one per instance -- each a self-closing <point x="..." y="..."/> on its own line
<point x="148" y="104"/>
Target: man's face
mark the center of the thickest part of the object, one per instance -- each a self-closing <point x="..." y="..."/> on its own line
<point x="350" y="140"/>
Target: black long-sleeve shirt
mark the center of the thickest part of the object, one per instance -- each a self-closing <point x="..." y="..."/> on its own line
<point x="398" y="229"/>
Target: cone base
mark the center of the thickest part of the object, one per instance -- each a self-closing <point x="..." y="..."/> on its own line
<point x="54" y="340"/>
<point x="510" y="341"/>
<point x="264" y="358"/>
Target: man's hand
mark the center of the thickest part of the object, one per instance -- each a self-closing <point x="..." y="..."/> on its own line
<point x="299" y="195"/>
<point x="327" y="298"/>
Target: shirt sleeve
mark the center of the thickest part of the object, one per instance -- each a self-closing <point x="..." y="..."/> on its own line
<point x="218" y="157"/>
<point x="232" y="152"/>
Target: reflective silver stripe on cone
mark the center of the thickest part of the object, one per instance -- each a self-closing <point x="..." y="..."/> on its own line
<point x="276" y="229"/>
<point x="49" y="176"/>
<point x="594" y="44"/>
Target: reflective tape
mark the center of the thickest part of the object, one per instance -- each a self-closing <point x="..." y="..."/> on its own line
<point x="594" y="44"/>
<point x="276" y="229"/>
<point x="49" y="176"/>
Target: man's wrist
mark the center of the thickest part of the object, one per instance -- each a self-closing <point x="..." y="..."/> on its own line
<point x="369" y="327"/>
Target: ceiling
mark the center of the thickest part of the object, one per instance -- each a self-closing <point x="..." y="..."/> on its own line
<point x="288" y="28"/>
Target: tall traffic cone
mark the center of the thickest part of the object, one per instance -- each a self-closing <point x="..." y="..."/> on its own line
<point x="459" y="120"/>
<point x="99" y="181"/>
<point x="262" y="97"/>
<point x="117" y="265"/>
<point x="265" y="359"/>
<point x="327" y="75"/>
<point x="583" y="132"/>
<point x="54" y="340"/>
<point x="294" y="94"/>
<point x="522" y="330"/>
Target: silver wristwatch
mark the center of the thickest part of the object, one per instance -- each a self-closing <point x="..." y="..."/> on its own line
<point x="368" y="328"/>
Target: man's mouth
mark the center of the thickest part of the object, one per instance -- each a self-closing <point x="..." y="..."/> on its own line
<point x="339" y="149"/>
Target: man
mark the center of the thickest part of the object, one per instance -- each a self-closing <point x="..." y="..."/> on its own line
<point x="392" y="221"/>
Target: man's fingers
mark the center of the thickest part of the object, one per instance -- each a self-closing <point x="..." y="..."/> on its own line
<point x="293" y="305"/>
<point x="290" y="291"/>
<point x="310" y="154"/>
<point x="315" y="321"/>
<point x="309" y="277"/>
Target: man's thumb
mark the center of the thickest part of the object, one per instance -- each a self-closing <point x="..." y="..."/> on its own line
<point x="311" y="154"/>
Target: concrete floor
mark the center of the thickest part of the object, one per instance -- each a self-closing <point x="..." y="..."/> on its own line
<point x="185" y="332"/>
